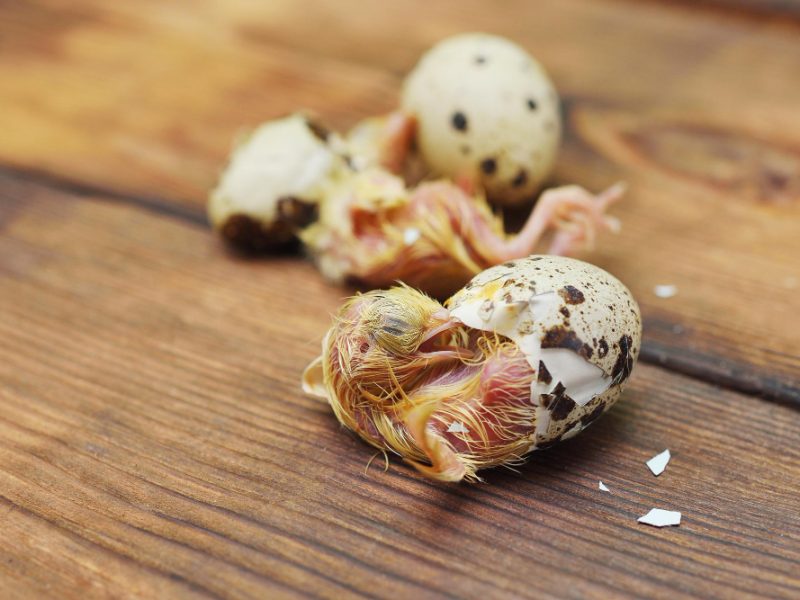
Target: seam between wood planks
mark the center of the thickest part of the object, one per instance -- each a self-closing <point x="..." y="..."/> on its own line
<point x="732" y="376"/>
<point x="153" y="204"/>
<point x="766" y="12"/>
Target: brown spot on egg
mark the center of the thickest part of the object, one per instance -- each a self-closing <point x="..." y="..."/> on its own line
<point x="571" y="295"/>
<point x="459" y="121"/>
<point x="488" y="166"/>
<point x="544" y="375"/>
<point x="561" y="337"/>
<point x="465" y="149"/>
<point x="520" y="178"/>
<point x="295" y="212"/>
<point x="603" y="348"/>
<point x="564" y="311"/>
<point x="531" y="104"/>
<point x="561" y="405"/>
<point x="250" y="235"/>
<point x="624" y="364"/>
<point x="549" y="444"/>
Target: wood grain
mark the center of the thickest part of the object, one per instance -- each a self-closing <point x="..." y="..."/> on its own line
<point x="696" y="111"/>
<point x="154" y="442"/>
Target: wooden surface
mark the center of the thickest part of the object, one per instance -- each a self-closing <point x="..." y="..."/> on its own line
<point x="697" y="112"/>
<point x="153" y="439"/>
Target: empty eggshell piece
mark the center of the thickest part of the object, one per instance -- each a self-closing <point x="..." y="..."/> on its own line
<point x="485" y="109"/>
<point x="273" y="183"/>
<point x="578" y="326"/>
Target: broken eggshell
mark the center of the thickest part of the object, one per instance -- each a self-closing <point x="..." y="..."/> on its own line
<point x="578" y="326"/>
<point x="273" y="183"/>
<point x="486" y="111"/>
<point x="528" y="353"/>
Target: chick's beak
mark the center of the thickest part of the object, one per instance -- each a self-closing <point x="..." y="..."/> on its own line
<point x="436" y="346"/>
<point x="439" y="322"/>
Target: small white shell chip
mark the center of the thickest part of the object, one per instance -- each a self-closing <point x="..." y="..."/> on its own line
<point x="602" y="487"/>
<point x="457" y="427"/>
<point x="411" y="235"/>
<point x="659" y="462"/>
<point x="658" y="517"/>
<point x="665" y="291"/>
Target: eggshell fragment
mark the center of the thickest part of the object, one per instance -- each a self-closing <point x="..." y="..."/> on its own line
<point x="457" y="427"/>
<point x="659" y="462"/>
<point x="665" y="290"/>
<point x="273" y="182"/>
<point x="578" y="327"/>
<point x="658" y="517"/>
<point x="485" y="109"/>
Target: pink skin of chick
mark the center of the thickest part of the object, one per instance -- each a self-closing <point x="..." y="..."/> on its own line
<point x="575" y="214"/>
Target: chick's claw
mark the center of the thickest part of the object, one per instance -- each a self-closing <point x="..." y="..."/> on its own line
<point x="576" y="215"/>
<point x="579" y="216"/>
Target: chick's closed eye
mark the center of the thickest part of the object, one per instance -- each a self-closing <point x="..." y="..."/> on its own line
<point x="397" y="320"/>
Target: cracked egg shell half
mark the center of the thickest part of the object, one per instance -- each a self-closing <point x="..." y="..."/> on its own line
<point x="485" y="109"/>
<point x="273" y="183"/>
<point x="578" y="326"/>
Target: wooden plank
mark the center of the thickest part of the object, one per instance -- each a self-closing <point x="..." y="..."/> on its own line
<point x="783" y="11"/>
<point x="154" y="442"/>
<point x="697" y="112"/>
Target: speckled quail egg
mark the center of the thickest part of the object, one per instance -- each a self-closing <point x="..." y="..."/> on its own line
<point x="485" y="110"/>
<point x="273" y="182"/>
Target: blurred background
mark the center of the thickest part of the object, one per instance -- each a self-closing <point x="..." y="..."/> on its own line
<point x="695" y="105"/>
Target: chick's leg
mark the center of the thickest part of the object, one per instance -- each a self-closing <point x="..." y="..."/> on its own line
<point x="445" y="463"/>
<point x="573" y="212"/>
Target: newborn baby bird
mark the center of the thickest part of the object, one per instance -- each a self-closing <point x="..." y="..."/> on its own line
<point x="407" y="378"/>
<point x="528" y="353"/>
<point x="436" y="237"/>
